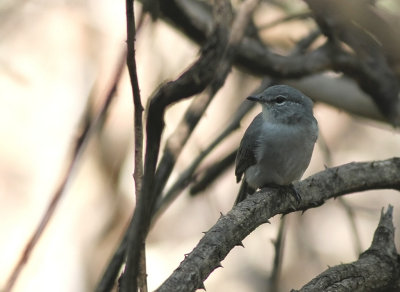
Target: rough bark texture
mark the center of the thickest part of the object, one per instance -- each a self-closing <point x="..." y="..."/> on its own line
<point x="233" y="227"/>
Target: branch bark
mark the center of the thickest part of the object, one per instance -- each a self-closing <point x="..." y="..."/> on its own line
<point x="233" y="227"/>
<point x="138" y="128"/>
<point x="377" y="269"/>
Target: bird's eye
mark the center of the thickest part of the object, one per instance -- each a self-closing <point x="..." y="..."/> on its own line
<point x="280" y="100"/>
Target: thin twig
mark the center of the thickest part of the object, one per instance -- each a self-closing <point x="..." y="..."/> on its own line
<point x="210" y="174"/>
<point x="279" y="243"/>
<point x="349" y="210"/>
<point x="351" y="216"/>
<point x="138" y="129"/>
<point x="88" y="129"/>
<point x="138" y="108"/>
<point x="114" y="266"/>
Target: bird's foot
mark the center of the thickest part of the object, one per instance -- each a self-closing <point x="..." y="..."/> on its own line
<point x="294" y="193"/>
<point x="288" y="188"/>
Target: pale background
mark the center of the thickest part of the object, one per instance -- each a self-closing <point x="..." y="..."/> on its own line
<point x="53" y="54"/>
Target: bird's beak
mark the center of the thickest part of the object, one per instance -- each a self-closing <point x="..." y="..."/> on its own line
<point x="254" y="98"/>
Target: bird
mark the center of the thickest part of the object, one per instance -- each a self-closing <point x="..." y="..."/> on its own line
<point x="277" y="146"/>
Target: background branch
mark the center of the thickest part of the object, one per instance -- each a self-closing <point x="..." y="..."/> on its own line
<point x="89" y="126"/>
<point x="377" y="269"/>
<point x="279" y="244"/>
<point x="255" y="57"/>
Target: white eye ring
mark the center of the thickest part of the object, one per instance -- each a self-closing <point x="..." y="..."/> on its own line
<point x="280" y="100"/>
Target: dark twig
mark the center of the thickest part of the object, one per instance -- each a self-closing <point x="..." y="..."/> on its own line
<point x="113" y="268"/>
<point x="232" y="228"/>
<point x="89" y="127"/>
<point x="377" y="269"/>
<point x="213" y="172"/>
<point x="278" y="257"/>
<point x="107" y="281"/>
<point x="138" y="127"/>
<point x="327" y="154"/>
<point x="353" y="226"/>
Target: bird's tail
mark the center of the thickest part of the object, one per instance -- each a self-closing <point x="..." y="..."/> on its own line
<point x="244" y="190"/>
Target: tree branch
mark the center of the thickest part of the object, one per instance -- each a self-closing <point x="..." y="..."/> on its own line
<point x="194" y="80"/>
<point x="377" y="269"/>
<point x="138" y="127"/>
<point x="232" y="228"/>
<point x="255" y="57"/>
<point x="347" y="22"/>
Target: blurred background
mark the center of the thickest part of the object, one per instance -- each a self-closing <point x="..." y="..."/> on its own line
<point x="57" y="58"/>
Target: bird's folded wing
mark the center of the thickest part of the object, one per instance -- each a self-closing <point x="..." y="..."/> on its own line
<point x="245" y="156"/>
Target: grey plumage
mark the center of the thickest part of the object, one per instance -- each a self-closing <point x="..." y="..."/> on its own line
<point x="277" y="146"/>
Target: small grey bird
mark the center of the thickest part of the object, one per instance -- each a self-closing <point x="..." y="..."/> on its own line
<point x="277" y="146"/>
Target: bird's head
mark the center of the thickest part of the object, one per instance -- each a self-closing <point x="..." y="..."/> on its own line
<point x="283" y="103"/>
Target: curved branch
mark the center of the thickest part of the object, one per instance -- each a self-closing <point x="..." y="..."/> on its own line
<point x="193" y="18"/>
<point x="233" y="227"/>
<point x="377" y="269"/>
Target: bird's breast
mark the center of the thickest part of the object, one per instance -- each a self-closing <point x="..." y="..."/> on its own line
<point x="283" y="153"/>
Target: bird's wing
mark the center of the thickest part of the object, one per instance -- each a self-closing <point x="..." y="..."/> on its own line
<point x="245" y="156"/>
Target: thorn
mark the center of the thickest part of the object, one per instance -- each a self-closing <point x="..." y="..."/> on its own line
<point x="219" y="266"/>
<point x="267" y="221"/>
<point x="239" y="244"/>
<point x="202" y="286"/>
<point x="221" y="215"/>
<point x="204" y="232"/>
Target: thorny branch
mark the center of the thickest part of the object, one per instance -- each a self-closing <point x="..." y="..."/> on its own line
<point x="257" y="209"/>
